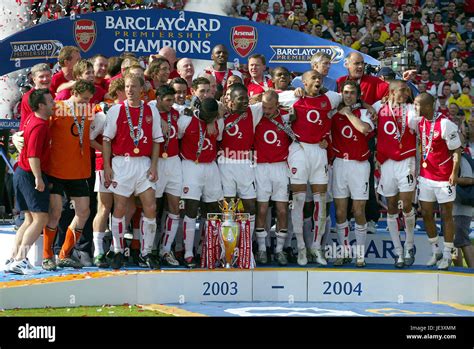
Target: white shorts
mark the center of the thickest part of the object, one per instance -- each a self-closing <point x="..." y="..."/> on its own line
<point x="308" y="164"/>
<point x="351" y="179"/>
<point x="329" y="196"/>
<point x="99" y="186"/>
<point x="272" y="181"/>
<point x="397" y="177"/>
<point x="130" y="175"/>
<point x="238" y="179"/>
<point x="434" y="191"/>
<point x="201" y="181"/>
<point x="170" y="177"/>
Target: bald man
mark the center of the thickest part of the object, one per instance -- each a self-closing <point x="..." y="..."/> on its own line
<point x="441" y="153"/>
<point x="170" y="54"/>
<point x="307" y="158"/>
<point x="185" y="68"/>
<point x="372" y="88"/>
<point x="271" y="144"/>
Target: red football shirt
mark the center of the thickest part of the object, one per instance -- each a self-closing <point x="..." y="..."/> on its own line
<point x="37" y="143"/>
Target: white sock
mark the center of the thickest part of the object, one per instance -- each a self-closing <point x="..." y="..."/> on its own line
<point x="308" y="231"/>
<point x="289" y="238"/>
<point x="189" y="227"/>
<point x="118" y="227"/>
<point x="410" y="220"/>
<point x="297" y="218"/>
<point x="343" y="235"/>
<point x="448" y="247"/>
<point x="327" y="231"/>
<point x="178" y="246"/>
<point x="434" y="245"/>
<point x="171" y="227"/>
<point x="281" y="237"/>
<point x="361" y="236"/>
<point x="160" y="232"/>
<point x="319" y="217"/>
<point x="98" y="243"/>
<point x="261" y="239"/>
<point x="392" y="224"/>
<point x="200" y="235"/>
<point x="149" y="232"/>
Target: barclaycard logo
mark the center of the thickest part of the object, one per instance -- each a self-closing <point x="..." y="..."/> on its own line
<point x="40" y="49"/>
<point x="303" y="54"/>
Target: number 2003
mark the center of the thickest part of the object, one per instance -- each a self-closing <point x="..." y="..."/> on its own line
<point x="346" y="288"/>
<point x="220" y="288"/>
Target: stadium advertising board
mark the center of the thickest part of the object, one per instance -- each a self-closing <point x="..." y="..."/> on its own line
<point x="145" y="32"/>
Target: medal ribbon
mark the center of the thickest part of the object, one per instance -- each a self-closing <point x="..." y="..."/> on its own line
<point x="80" y="127"/>
<point x="201" y="140"/>
<point x="285" y="128"/>
<point x="426" y="152"/>
<point x="135" y="137"/>
<point x="235" y="122"/>
<point x="167" y="142"/>
<point x="404" y="121"/>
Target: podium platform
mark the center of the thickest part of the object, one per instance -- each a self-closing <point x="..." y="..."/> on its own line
<point x="378" y="282"/>
<point x="375" y="283"/>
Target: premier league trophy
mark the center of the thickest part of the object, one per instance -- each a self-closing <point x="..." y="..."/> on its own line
<point x="228" y="240"/>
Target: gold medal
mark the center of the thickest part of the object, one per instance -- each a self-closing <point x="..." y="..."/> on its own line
<point x="424" y="164"/>
<point x="401" y="146"/>
<point x="136" y="150"/>
<point x="196" y="161"/>
<point x="164" y="155"/>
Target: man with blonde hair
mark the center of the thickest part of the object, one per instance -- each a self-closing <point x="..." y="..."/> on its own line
<point x="68" y="57"/>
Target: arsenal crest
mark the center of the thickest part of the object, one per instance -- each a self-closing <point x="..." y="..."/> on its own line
<point x="324" y="104"/>
<point x="85" y="32"/>
<point x="243" y="39"/>
<point x="185" y="190"/>
<point x="148" y="119"/>
<point x="293" y="170"/>
<point x="114" y="184"/>
<point x="435" y="134"/>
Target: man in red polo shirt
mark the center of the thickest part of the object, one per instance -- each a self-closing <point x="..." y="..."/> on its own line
<point x="258" y="81"/>
<point x="68" y="57"/>
<point x="372" y="88"/>
<point x="30" y="183"/>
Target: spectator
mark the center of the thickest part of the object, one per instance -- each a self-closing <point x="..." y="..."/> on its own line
<point x="461" y="100"/>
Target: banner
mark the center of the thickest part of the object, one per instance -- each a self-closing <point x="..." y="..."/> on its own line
<point x="191" y="34"/>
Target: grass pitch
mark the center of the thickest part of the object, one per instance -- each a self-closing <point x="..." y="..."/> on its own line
<point x="95" y="311"/>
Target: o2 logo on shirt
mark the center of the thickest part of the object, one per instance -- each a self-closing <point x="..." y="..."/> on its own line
<point x="271" y="137"/>
<point x="315" y="120"/>
<point x="207" y="144"/>
<point x="172" y="132"/>
<point x="142" y="136"/>
<point x="390" y="129"/>
<point x="348" y="133"/>
<point x="236" y="132"/>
